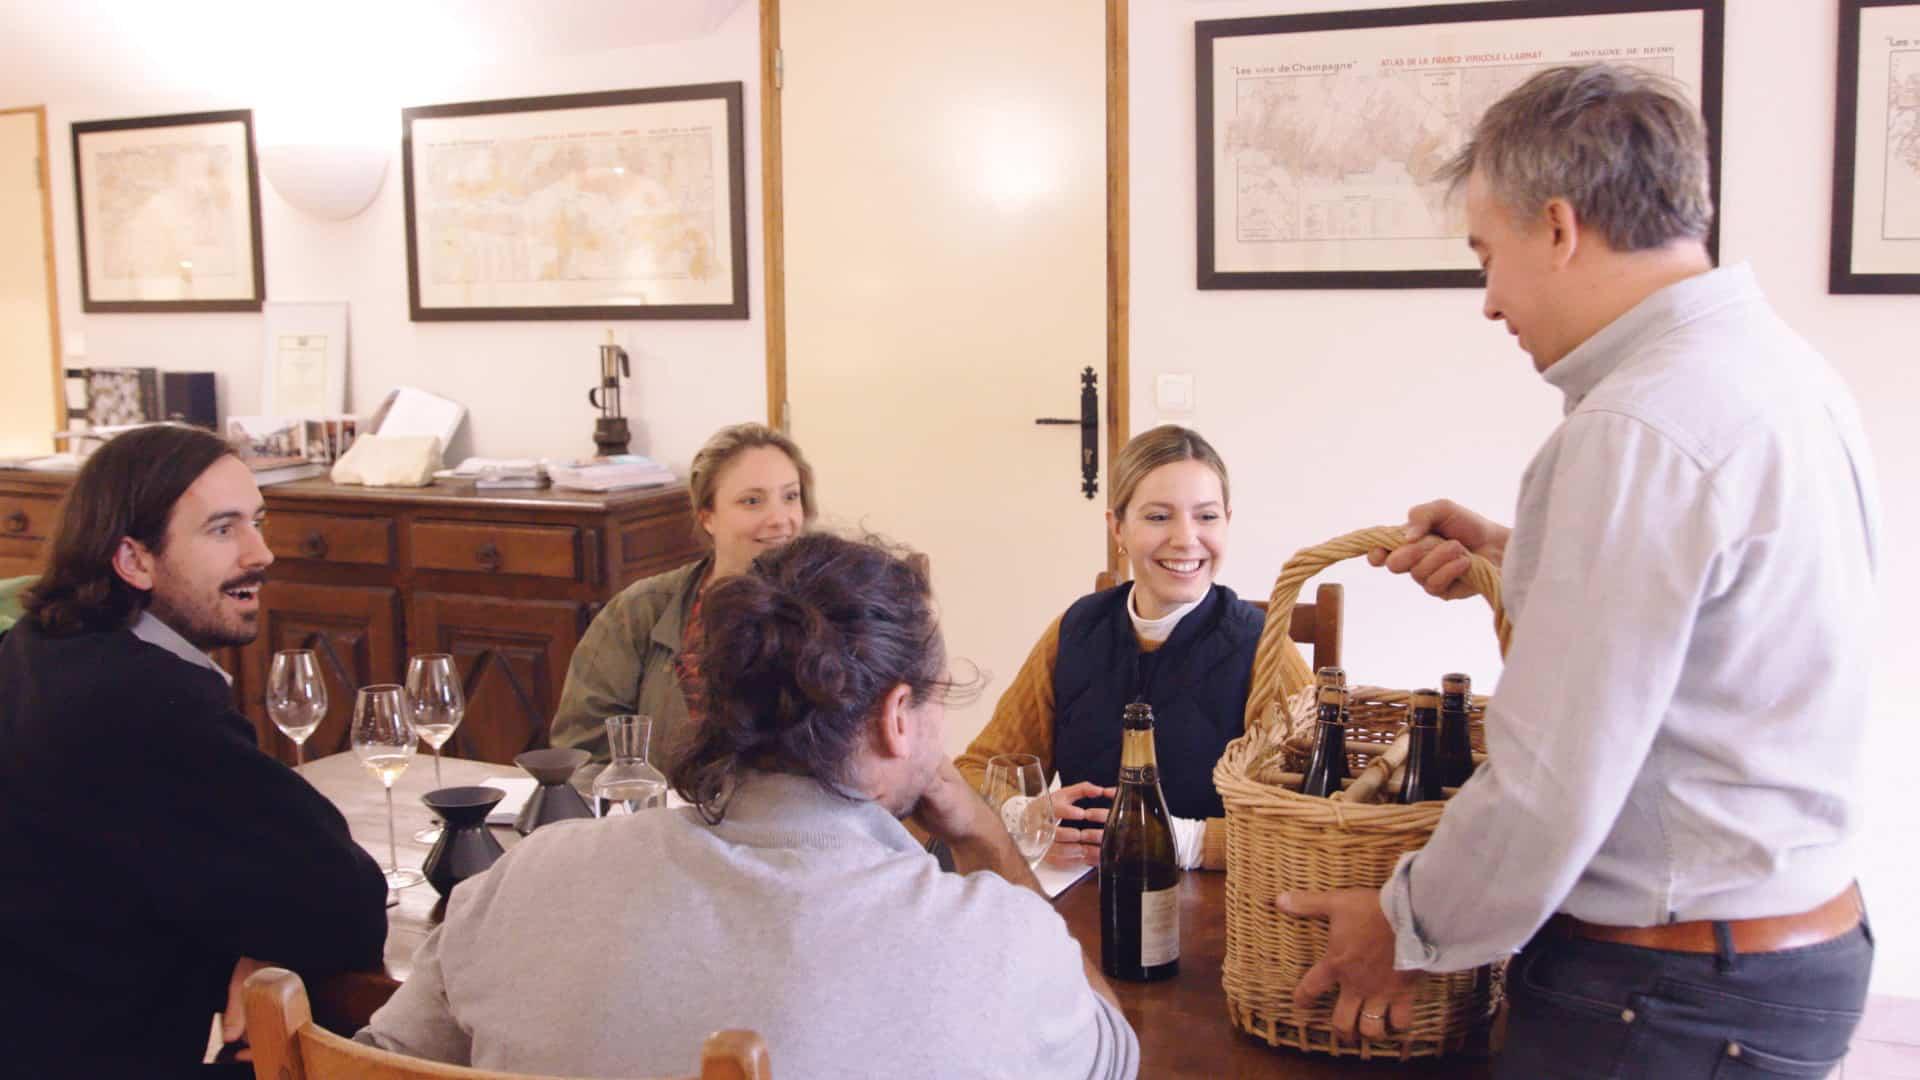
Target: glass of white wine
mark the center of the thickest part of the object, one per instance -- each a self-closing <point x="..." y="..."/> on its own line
<point x="383" y="739"/>
<point x="296" y="697"/>
<point x="1016" y="788"/>
<point x="434" y="695"/>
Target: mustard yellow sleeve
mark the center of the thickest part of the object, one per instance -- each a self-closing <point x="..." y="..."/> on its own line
<point x="1023" y="718"/>
<point x="1213" y="845"/>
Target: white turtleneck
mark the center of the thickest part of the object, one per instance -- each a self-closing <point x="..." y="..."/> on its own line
<point x="1187" y="832"/>
<point x="1155" y="630"/>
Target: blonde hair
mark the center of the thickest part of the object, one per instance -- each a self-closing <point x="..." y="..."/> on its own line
<point x="1163" y="445"/>
<point x="729" y="443"/>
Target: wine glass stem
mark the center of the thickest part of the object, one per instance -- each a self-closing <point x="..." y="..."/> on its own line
<point x="393" y="846"/>
<point x="299" y="754"/>
<point x="436" y="768"/>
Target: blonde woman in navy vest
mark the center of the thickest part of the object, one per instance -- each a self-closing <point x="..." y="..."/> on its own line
<point x="1170" y="637"/>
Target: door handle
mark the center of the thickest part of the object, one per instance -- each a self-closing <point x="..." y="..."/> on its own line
<point x="1089" y="425"/>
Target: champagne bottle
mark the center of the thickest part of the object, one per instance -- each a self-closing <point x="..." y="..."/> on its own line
<point x="1421" y="781"/>
<point x="1328" y="766"/>
<point x="1456" y="740"/>
<point x="1139" y="879"/>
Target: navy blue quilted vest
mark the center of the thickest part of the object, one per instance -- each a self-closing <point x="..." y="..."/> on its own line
<point x="1196" y="681"/>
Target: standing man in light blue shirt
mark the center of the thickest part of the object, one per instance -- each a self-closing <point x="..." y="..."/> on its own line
<point x="1664" y="825"/>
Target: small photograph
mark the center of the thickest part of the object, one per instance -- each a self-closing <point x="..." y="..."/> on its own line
<point x="349" y="431"/>
<point x="317" y="445"/>
<point x="118" y="396"/>
<point x="268" y="442"/>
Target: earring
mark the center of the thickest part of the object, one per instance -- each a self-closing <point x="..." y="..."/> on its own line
<point x="1123" y="552"/>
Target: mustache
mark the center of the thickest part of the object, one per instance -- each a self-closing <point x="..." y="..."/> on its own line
<point x="246" y="581"/>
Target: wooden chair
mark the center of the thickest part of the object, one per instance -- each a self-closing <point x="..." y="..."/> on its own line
<point x="1316" y="625"/>
<point x="288" y="1045"/>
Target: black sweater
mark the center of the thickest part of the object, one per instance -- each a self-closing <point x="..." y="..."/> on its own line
<point x="146" y="844"/>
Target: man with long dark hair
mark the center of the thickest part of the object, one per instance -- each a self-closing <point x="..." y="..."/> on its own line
<point x="150" y="855"/>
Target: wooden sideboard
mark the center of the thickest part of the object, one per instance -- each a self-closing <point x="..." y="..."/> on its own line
<point x="505" y="581"/>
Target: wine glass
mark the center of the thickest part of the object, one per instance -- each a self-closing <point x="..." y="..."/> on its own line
<point x="383" y="739"/>
<point x="433" y="693"/>
<point x="296" y="697"/>
<point x="1016" y="788"/>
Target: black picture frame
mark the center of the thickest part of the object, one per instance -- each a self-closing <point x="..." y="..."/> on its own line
<point x="96" y="295"/>
<point x="1843" y="276"/>
<point x="1208" y="34"/>
<point x="554" y="110"/>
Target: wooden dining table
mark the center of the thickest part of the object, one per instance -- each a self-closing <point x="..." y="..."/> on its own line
<point x="1182" y="1022"/>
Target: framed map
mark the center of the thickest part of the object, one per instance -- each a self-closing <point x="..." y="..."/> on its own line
<point x="1876" y="150"/>
<point x="1319" y="135"/>
<point x="169" y="212"/>
<point x="629" y="204"/>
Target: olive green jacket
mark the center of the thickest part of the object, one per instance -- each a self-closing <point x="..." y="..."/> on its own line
<point x="624" y="664"/>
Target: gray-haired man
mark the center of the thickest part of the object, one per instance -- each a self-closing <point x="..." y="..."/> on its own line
<point x="1665" y="818"/>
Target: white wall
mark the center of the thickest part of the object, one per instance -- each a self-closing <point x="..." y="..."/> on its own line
<point x="524" y="383"/>
<point x="1341" y="409"/>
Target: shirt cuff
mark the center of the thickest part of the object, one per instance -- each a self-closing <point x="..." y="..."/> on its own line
<point x="1187" y="843"/>
<point x="1411" y="951"/>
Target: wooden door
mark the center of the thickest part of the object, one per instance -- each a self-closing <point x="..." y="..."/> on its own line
<point x="31" y="409"/>
<point x="512" y="656"/>
<point x="355" y="630"/>
<point x="944" y="187"/>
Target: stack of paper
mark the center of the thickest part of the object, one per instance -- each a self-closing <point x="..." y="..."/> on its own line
<point x="609" y="473"/>
<point x="496" y="474"/>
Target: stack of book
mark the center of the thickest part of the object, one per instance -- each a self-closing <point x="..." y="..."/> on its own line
<point x="616" y="473"/>
<point x="499" y="474"/>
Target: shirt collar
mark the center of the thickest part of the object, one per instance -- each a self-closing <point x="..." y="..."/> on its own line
<point x="150" y="629"/>
<point x="1578" y="372"/>
<point x="781" y="810"/>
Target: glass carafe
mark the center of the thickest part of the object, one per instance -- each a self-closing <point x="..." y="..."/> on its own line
<point x="629" y="784"/>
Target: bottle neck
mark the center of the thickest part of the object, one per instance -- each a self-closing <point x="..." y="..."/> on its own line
<point x="1137" y="761"/>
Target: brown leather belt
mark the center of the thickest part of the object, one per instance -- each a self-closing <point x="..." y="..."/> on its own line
<point x="1822" y="924"/>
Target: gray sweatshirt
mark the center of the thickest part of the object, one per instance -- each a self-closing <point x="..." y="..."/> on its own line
<point x="612" y="948"/>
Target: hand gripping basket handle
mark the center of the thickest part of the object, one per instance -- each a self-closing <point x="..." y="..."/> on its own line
<point x="1279" y="670"/>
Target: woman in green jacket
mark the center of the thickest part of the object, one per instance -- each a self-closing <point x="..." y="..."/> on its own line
<point x="751" y="490"/>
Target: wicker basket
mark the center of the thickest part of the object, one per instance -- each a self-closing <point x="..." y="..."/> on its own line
<point x="1279" y="840"/>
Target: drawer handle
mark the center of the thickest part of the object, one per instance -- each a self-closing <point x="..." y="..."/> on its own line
<point x="17" y="521"/>
<point x="488" y="556"/>
<point x="313" y="545"/>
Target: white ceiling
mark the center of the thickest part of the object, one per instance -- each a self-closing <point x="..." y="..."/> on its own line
<point x="84" y="50"/>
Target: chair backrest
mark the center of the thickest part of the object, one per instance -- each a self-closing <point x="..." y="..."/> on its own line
<point x="1316" y="625"/>
<point x="288" y="1045"/>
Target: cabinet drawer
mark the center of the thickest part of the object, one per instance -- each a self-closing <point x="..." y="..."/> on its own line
<point x="326" y="538"/>
<point x="27" y="517"/>
<point x="551" y="551"/>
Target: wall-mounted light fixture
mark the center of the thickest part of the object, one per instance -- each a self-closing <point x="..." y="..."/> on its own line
<point x="331" y="181"/>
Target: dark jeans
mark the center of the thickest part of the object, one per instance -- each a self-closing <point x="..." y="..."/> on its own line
<point x="1583" y="1008"/>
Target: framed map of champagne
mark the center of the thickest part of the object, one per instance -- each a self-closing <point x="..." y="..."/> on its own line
<point x="169" y="212"/>
<point x="1320" y="136"/>
<point x="629" y="204"/>
<point x="1876" y="150"/>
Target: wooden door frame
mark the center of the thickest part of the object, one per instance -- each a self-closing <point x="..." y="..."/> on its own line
<point x="773" y="229"/>
<point x="59" y="402"/>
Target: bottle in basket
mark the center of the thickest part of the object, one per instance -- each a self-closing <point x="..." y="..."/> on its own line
<point x="1456" y="741"/>
<point x="1139" y="879"/>
<point x="1328" y="766"/>
<point x="1421" y="781"/>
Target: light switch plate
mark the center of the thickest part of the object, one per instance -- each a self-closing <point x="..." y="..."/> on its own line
<point x="1173" y="392"/>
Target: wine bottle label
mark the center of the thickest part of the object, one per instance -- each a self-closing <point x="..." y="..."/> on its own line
<point x="1159" y="927"/>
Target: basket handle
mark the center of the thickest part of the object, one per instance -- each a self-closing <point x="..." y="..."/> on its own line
<point x="1278" y="669"/>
